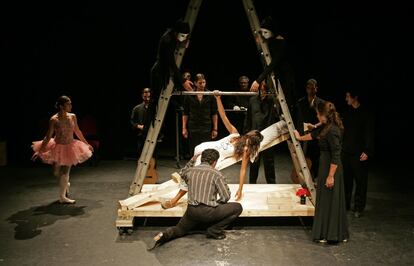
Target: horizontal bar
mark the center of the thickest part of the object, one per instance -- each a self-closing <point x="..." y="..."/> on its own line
<point x="227" y="110"/>
<point x="247" y="93"/>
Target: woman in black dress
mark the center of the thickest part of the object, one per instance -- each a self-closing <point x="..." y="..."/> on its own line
<point x="330" y="222"/>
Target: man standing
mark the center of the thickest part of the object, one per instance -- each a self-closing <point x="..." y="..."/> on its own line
<point x="139" y="119"/>
<point x="357" y="149"/>
<point x="261" y="113"/>
<point x="204" y="184"/>
<point x="306" y="113"/>
<point x="239" y="104"/>
<point x="200" y="120"/>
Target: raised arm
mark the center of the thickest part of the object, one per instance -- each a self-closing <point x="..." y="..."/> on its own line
<point x="223" y="116"/>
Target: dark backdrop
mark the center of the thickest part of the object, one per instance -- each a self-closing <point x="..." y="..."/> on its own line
<point x="100" y="54"/>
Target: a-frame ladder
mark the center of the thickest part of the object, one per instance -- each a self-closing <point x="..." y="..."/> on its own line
<point x="295" y="148"/>
<point x="151" y="139"/>
<point x="296" y="152"/>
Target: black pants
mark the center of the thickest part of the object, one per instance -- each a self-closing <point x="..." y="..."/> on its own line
<point x="140" y="144"/>
<point x="355" y="170"/>
<point x="269" y="167"/>
<point x="196" y="137"/>
<point x="217" y="219"/>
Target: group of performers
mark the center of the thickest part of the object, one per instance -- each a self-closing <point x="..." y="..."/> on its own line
<point x="330" y="221"/>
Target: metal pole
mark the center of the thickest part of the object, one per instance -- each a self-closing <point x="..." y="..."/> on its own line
<point x="177" y="140"/>
<point x="213" y="93"/>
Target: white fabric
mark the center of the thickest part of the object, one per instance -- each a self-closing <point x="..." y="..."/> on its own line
<point x="223" y="146"/>
<point x="226" y="149"/>
<point x="271" y="134"/>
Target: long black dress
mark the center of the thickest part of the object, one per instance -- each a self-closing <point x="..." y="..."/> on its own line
<point x="330" y="222"/>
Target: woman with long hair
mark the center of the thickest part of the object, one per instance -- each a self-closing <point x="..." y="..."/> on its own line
<point x="330" y="222"/>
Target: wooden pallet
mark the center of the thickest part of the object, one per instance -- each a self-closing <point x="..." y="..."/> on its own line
<point x="259" y="200"/>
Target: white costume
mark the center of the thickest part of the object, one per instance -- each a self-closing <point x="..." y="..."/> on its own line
<point x="223" y="146"/>
<point x="226" y="149"/>
<point x="272" y="135"/>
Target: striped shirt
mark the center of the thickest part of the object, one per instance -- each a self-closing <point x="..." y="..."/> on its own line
<point x="204" y="183"/>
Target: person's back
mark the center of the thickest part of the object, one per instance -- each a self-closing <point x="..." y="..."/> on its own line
<point x="204" y="184"/>
<point x="64" y="129"/>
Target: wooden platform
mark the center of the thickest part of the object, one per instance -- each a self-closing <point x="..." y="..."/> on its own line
<point x="259" y="200"/>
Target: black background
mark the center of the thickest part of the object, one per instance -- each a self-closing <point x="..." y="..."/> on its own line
<point x="100" y="54"/>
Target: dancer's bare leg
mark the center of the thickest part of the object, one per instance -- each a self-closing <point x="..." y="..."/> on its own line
<point x="64" y="185"/>
<point x="56" y="170"/>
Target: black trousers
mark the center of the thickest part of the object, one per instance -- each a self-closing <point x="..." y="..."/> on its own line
<point x="140" y="144"/>
<point x="217" y="219"/>
<point x="196" y="137"/>
<point x="269" y="167"/>
<point x="355" y="170"/>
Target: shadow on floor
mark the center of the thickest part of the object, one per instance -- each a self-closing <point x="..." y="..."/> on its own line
<point x="31" y="220"/>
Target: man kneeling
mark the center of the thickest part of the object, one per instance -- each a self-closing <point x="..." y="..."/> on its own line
<point x="204" y="183"/>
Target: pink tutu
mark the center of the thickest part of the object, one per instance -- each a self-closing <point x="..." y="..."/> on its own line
<point x="63" y="154"/>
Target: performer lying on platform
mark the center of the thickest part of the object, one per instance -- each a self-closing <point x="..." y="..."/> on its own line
<point x="234" y="148"/>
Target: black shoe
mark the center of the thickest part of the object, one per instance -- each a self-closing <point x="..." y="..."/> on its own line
<point x="217" y="237"/>
<point x="159" y="240"/>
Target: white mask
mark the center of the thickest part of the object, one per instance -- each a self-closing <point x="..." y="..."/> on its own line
<point x="182" y="37"/>
<point x="266" y="33"/>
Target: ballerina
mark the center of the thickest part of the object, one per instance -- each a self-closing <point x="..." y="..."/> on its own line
<point x="63" y="151"/>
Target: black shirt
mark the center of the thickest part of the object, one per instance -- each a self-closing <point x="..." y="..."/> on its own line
<point x="199" y="112"/>
<point x="306" y="112"/>
<point x="165" y="64"/>
<point x="282" y="69"/>
<point x="260" y="113"/>
<point x="239" y="100"/>
<point x="358" y="131"/>
<point x="331" y="142"/>
<point x="139" y="117"/>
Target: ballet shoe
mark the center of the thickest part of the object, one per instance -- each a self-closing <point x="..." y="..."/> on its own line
<point x="67" y="190"/>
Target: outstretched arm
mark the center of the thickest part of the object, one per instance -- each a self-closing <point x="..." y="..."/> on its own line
<point x="304" y="137"/>
<point x="223" y="116"/>
<point x="242" y="175"/>
<point x="172" y="202"/>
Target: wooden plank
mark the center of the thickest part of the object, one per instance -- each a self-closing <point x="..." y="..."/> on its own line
<point x="151" y="193"/>
<point x="259" y="200"/>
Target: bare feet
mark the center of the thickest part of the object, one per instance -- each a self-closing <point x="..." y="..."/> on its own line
<point x="66" y="201"/>
<point x="167" y="204"/>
